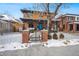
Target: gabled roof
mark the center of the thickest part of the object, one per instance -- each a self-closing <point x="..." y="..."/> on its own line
<point x="25" y="20"/>
<point x="5" y="17"/>
<point x="31" y="11"/>
<point x="19" y="20"/>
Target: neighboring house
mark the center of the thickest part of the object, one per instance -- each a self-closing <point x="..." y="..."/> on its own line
<point x="19" y="25"/>
<point x="5" y="26"/>
<point x="31" y="19"/>
<point x="8" y="23"/>
<point x="70" y="22"/>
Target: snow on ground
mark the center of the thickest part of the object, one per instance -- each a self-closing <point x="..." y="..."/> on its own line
<point x="10" y="38"/>
<point x="51" y="43"/>
<point x="12" y="41"/>
<point x="69" y="39"/>
<point x="59" y="43"/>
<point x="16" y="46"/>
<point x="68" y="36"/>
<point x="12" y="46"/>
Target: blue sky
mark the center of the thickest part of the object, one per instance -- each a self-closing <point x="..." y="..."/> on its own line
<point x="14" y="8"/>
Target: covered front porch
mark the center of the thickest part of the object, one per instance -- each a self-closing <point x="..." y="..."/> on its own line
<point x="74" y="27"/>
<point x="33" y="24"/>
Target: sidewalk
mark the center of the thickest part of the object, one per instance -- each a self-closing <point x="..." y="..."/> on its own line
<point x="39" y="50"/>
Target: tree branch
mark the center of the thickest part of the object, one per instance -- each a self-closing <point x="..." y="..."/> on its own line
<point x="57" y="8"/>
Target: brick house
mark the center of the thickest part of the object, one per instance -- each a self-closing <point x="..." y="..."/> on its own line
<point x="69" y="22"/>
<point x="32" y="18"/>
<point x="65" y="23"/>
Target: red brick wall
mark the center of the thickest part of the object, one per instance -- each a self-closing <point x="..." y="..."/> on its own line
<point x="67" y="24"/>
<point x="25" y="37"/>
<point x="25" y="26"/>
<point x="44" y="36"/>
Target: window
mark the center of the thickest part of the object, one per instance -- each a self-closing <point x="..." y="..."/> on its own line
<point x="71" y="27"/>
<point x="29" y="15"/>
<point x="70" y="18"/>
<point x="77" y="27"/>
<point x="77" y="18"/>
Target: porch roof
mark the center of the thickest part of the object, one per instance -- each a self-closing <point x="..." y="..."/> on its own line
<point x="29" y="20"/>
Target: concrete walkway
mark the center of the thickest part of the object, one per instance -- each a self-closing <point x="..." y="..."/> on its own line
<point x="38" y="50"/>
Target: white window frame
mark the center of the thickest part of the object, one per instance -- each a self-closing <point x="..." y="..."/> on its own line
<point x="77" y="18"/>
<point x="69" y="18"/>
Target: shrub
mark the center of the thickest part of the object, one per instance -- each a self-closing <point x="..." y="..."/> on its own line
<point x="55" y="36"/>
<point x="61" y="36"/>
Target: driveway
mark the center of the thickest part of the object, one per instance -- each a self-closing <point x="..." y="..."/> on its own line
<point x="38" y="50"/>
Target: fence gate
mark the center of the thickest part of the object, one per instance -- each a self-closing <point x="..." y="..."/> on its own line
<point x="36" y="36"/>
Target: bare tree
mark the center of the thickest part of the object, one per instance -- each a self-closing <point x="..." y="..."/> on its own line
<point x="46" y="7"/>
<point x="57" y="8"/>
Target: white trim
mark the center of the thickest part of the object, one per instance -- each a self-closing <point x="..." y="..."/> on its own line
<point x="72" y="15"/>
<point x="76" y="22"/>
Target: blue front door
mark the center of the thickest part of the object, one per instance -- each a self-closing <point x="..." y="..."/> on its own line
<point x="40" y="26"/>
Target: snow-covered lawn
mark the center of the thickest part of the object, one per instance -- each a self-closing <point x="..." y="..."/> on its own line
<point x="10" y="38"/>
<point x="68" y="36"/>
<point x="60" y="43"/>
<point x="13" y="41"/>
<point x="12" y="46"/>
<point x="51" y="43"/>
